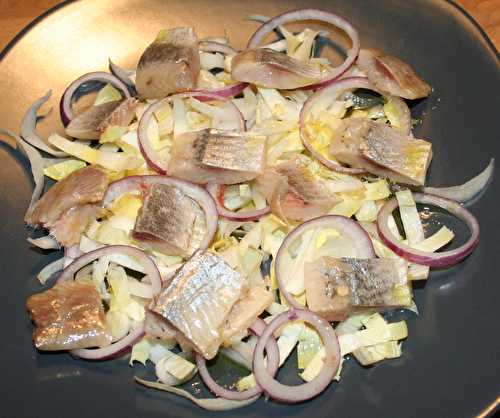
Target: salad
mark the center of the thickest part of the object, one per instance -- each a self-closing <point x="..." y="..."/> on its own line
<point x="242" y="203"/>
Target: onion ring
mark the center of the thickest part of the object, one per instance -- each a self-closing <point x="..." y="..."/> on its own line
<point x="345" y="226"/>
<point x="200" y="195"/>
<point x="442" y="259"/>
<point x="273" y="358"/>
<point x="313" y="14"/>
<point x="213" y="46"/>
<point x="123" y="76"/>
<point x="147" y="150"/>
<point x="65" y="103"/>
<point x="294" y="394"/>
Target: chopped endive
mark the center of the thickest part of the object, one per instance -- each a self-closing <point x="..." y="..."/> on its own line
<point x="375" y="353"/>
<point x="107" y="94"/>
<point x="178" y="367"/>
<point x="112" y="134"/>
<point x="245" y="383"/>
<point x="309" y="344"/>
<point x="140" y="351"/>
<point x="114" y="161"/>
<point x="60" y="170"/>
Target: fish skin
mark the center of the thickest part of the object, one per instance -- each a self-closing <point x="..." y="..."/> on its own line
<point x="196" y="157"/>
<point x="337" y="287"/>
<point x="392" y="75"/>
<point x="165" y="220"/>
<point x="169" y="65"/>
<point x="382" y="150"/>
<point x="83" y="186"/>
<point x="198" y="300"/>
<point x="68" y="316"/>
<point x="267" y="68"/>
<point x="122" y="115"/>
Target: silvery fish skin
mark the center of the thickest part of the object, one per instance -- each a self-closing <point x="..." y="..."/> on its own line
<point x="87" y="125"/>
<point x="267" y="68"/>
<point x="392" y="75"/>
<point x="169" y="65"/>
<point x="68" y="316"/>
<point x="336" y="287"/>
<point x="382" y="150"/>
<point x="86" y="185"/>
<point x="220" y="157"/>
<point x="165" y="221"/>
<point x="198" y="300"/>
<point x="301" y="195"/>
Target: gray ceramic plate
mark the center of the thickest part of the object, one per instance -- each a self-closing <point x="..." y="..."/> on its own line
<point x="450" y="365"/>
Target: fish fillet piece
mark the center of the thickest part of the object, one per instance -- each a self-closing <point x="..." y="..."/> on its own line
<point x="169" y="65"/>
<point x="87" y="185"/>
<point x="267" y="68"/>
<point x="68" y="316"/>
<point x="122" y="115"/>
<point x="382" y="150"/>
<point x="166" y="219"/>
<point x="213" y="156"/>
<point x="392" y="75"/>
<point x="244" y="313"/>
<point x="68" y="229"/>
<point x="336" y="287"/>
<point x="294" y="192"/>
<point x="198" y="300"/>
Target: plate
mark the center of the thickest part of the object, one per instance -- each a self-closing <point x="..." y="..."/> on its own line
<point x="450" y="365"/>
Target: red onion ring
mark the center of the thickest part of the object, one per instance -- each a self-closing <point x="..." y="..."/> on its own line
<point x="330" y="92"/>
<point x="313" y="14"/>
<point x="113" y="350"/>
<point x="273" y="359"/>
<point x="249" y="215"/>
<point x="469" y="189"/>
<point x="147" y="150"/>
<point x="150" y="268"/>
<point x="213" y="46"/>
<point x="294" y="394"/>
<point x="222" y="92"/>
<point x="443" y="259"/>
<point x="65" y="103"/>
<point x="195" y="192"/>
<point x="346" y="226"/>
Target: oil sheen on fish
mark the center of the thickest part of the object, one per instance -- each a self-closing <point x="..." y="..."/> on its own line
<point x="68" y="316"/>
<point x="169" y="65"/>
<point x="336" y="287"/>
<point x="86" y="185"/>
<point x="392" y="75"/>
<point x="267" y="68"/>
<point x="213" y="156"/>
<point x="381" y="150"/>
<point x="198" y="300"/>
<point x="165" y="220"/>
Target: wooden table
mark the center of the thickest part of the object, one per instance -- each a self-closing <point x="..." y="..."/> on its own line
<point x="15" y="14"/>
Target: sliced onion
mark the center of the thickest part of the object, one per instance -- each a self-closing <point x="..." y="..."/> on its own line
<point x="36" y="163"/>
<point x="330" y="93"/>
<point x="200" y="195"/>
<point x="149" y="266"/>
<point x="313" y="14"/>
<point x="294" y="394"/>
<point x="113" y="350"/>
<point x="213" y="46"/>
<point x="50" y="269"/>
<point x="469" y="189"/>
<point x="147" y="150"/>
<point x="248" y="215"/>
<point x="273" y="358"/>
<point x="442" y="259"/>
<point x="123" y="76"/>
<point x="45" y="243"/>
<point x="28" y="128"/>
<point x="222" y="92"/>
<point x="345" y="226"/>
<point x="66" y="99"/>
<point x="210" y="404"/>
